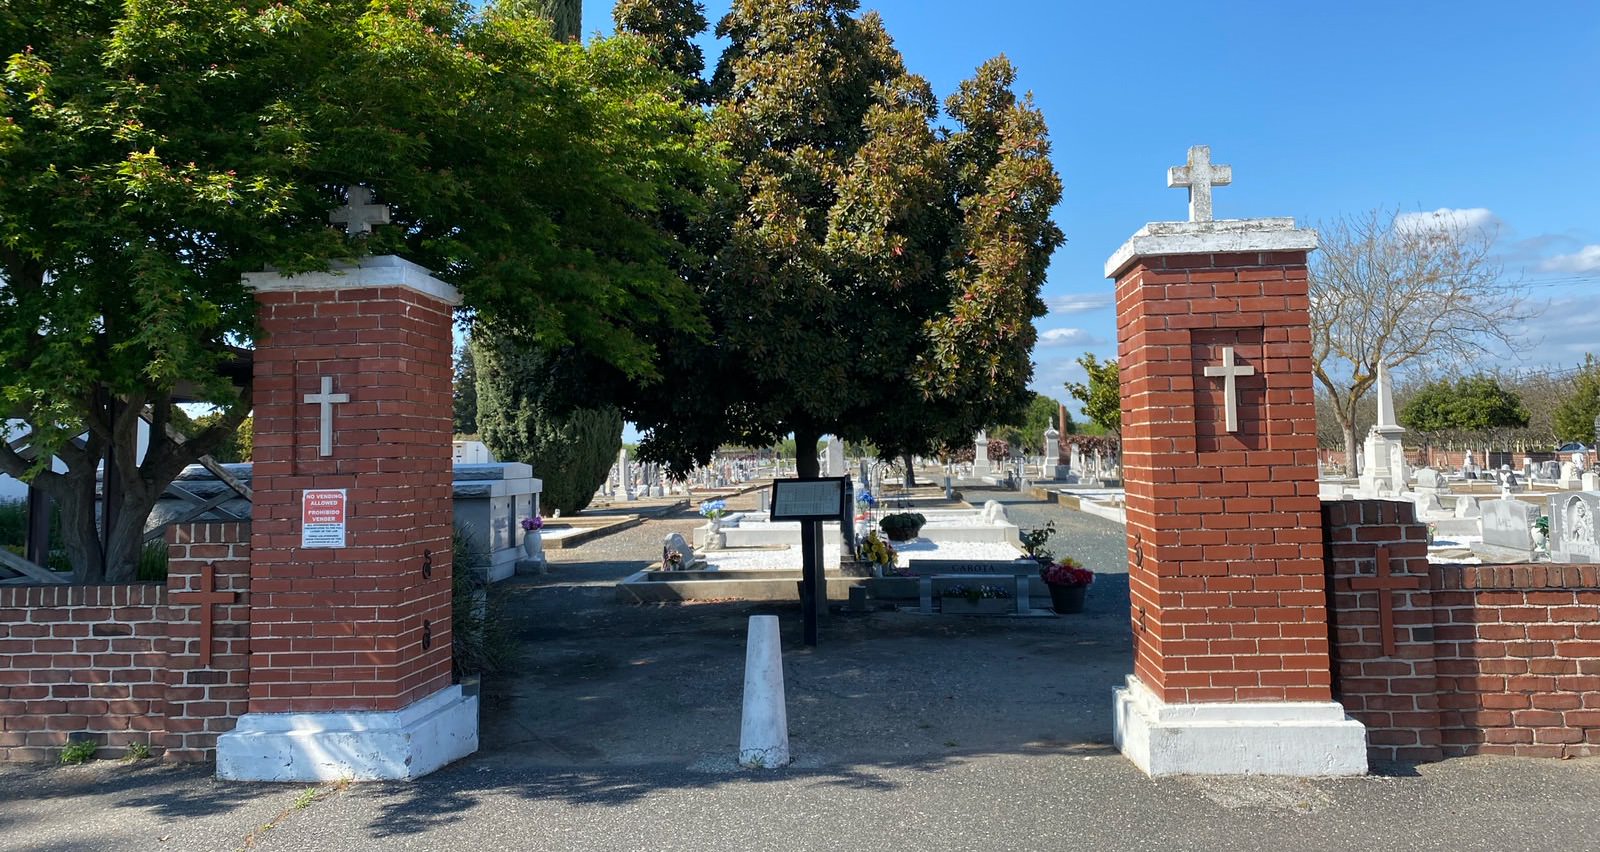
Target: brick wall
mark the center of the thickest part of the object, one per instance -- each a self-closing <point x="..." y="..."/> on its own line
<point x="117" y="664"/>
<point x="1224" y="552"/>
<point x="367" y="626"/>
<point x="1493" y="659"/>
<point x="204" y="701"/>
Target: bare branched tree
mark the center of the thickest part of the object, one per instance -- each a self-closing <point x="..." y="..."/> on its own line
<point x="1404" y="290"/>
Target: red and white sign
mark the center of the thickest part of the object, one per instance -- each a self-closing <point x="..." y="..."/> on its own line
<point x="322" y="517"/>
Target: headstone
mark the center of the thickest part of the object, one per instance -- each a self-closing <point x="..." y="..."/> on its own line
<point x="1570" y="480"/>
<point x="1430" y="481"/>
<point x="994" y="513"/>
<point x="675" y="542"/>
<point x="1572" y="527"/>
<point x="980" y="456"/>
<point x="1427" y="503"/>
<point x="1051" y="467"/>
<point x="836" y="457"/>
<point x="1507" y="531"/>
<point x="1591" y="481"/>
<point x="1384" y="471"/>
<point x="1467" y="507"/>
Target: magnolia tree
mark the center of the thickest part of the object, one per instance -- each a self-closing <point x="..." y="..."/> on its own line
<point x="152" y="153"/>
<point x="870" y="274"/>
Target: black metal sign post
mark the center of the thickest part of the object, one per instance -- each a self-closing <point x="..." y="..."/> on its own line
<point x="811" y="502"/>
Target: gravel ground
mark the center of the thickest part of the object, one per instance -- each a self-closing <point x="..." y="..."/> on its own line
<point x="612" y="684"/>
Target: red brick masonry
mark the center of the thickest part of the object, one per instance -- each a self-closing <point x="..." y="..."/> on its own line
<point x="119" y="664"/>
<point x="1224" y="554"/>
<point x="1491" y="659"/>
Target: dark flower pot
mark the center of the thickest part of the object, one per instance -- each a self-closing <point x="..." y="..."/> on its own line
<point x="1066" y="600"/>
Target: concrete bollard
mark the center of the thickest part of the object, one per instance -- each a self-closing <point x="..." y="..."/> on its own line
<point x="764" y="732"/>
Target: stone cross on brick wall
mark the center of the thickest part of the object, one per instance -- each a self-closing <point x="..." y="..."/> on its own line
<point x="1230" y="372"/>
<point x="359" y="214"/>
<point x="327" y="399"/>
<point x="1199" y="175"/>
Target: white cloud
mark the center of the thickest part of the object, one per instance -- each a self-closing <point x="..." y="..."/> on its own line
<point x="1082" y="303"/>
<point x="1068" y="337"/>
<point x="1448" y="218"/>
<point x="1586" y="259"/>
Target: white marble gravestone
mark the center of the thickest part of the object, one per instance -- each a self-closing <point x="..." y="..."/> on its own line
<point x="490" y="502"/>
<point x="1573" y="519"/>
<point x="1507" y="531"/>
<point x="980" y="456"/>
<point x="836" y="465"/>
<point x="1052" y="467"/>
<point x="1384" y="473"/>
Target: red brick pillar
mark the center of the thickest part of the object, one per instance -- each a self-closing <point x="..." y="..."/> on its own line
<point x="1224" y="524"/>
<point x="361" y="624"/>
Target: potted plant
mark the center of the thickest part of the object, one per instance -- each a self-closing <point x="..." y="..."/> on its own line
<point x="902" y="526"/>
<point x="1033" y="542"/>
<point x="975" y="599"/>
<point x="1068" y="581"/>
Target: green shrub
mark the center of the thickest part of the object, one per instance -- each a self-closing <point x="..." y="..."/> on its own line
<point x="78" y="752"/>
<point x="902" y="526"/>
<point x="480" y="633"/>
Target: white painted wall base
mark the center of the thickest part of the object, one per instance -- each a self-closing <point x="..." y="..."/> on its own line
<point x="1296" y="738"/>
<point x="396" y="745"/>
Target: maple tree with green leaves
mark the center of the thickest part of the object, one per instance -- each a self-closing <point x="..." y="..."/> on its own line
<point x="154" y="151"/>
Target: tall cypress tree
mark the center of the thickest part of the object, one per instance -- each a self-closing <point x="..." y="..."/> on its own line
<point x="565" y="16"/>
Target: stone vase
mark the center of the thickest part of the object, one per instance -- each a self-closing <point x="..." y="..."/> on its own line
<point x="533" y="545"/>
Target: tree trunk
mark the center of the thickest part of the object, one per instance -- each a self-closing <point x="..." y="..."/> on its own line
<point x="911" y="471"/>
<point x="1351" y="450"/>
<point x="805" y="453"/>
<point x="75" y="497"/>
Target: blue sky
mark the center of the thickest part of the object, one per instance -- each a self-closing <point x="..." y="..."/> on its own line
<point x="1322" y="110"/>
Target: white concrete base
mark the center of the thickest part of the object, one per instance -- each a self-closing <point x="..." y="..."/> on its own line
<point x="359" y="746"/>
<point x="1295" y="738"/>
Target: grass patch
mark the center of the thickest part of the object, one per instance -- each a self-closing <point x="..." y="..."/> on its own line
<point x="78" y="752"/>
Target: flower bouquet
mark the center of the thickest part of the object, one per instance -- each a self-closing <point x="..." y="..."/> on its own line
<point x="1069" y="583"/>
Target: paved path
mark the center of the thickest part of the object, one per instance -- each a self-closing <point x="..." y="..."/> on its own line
<point x="910" y="732"/>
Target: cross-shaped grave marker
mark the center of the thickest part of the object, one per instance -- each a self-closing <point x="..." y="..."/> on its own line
<point x="1384" y="583"/>
<point x="359" y="214"/>
<point x="1199" y="175"/>
<point x="1230" y="372"/>
<point x="205" y="598"/>
<point x="327" y="399"/>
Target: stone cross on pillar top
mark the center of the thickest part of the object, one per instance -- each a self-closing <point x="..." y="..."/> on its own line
<point x="359" y="214"/>
<point x="1199" y="175"/>
<point x="1230" y="372"/>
